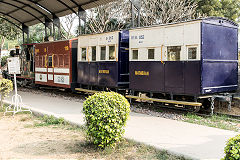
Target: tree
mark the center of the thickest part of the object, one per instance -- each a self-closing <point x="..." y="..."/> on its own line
<point x="67" y="24"/>
<point x="117" y="15"/>
<point x="166" y="11"/>
<point x="221" y="8"/>
<point x="110" y="17"/>
<point x="7" y="31"/>
<point x="37" y="33"/>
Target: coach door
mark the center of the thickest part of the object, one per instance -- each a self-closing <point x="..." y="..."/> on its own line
<point x="49" y="64"/>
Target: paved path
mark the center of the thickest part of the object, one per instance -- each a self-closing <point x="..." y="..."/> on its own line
<point x="191" y="140"/>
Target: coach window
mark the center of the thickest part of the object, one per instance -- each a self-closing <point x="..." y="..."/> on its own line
<point x="192" y="53"/>
<point x="94" y="53"/>
<point x="112" y="53"/>
<point x="173" y="53"/>
<point x="50" y="64"/>
<point x="84" y="54"/>
<point x="151" y="53"/>
<point x="134" y="54"/>
<point x="103" y="53"/>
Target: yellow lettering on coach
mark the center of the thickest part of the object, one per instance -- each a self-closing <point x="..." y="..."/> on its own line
<point x="36" y="50"/>
<point x="142" y="73"/>
<point x="104" y="71"/>
<point x="66" y="48"/>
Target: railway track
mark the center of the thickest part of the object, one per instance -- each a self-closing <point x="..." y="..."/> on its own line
<point x="141" y="107"/>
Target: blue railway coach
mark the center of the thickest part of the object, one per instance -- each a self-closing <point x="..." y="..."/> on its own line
<point x="103" y="59"/>
<point x="194" y="58"/>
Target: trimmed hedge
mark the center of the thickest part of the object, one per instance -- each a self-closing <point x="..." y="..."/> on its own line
<point x="106" y="114"/>
<point x="232" y="149"/>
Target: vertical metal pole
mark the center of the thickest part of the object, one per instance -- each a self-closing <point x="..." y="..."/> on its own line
<point x="45" y="32"/>
<point x="79" y="27"/>
<point x="23" y="37"/>
<point x="51" y="34"/>
<point x="59" y="31"/>
<point x="28" y="37"/>
<point x="133" y="16"/>
<point x="139" y="18"/>
<point x="54" y="32"/>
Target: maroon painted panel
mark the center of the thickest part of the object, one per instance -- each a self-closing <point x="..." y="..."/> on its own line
<point x="61" y="58"/>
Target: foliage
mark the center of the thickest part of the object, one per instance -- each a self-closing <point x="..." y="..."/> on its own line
<point x="216" y="121"/>
<point x="221" y="8"/>
<point x="37" y="33"/>
<point x="105" y="18"/>
<point x="8" y="30"/>
<point x="51" y="120"/>
<point x="4" y="60"/>
<point x="6" y="86"/>
<point x="232" y="149"/>
<point x="106" y="114"/>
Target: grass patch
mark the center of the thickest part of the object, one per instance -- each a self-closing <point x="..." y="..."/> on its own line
<point x="126" y="149"/>
<point x="50" y="120"/>
<point x="216" y="121"/>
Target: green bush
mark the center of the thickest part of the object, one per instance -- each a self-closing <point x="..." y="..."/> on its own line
<point x="232" y="149"/>
<point x="6" y="86"/>
<point x="4" y="60"/>
<point x="106" y="114"/>
<point x="51" y="120"/>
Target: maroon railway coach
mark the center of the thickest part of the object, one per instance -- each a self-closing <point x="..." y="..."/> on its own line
<point x="54" y="63"/>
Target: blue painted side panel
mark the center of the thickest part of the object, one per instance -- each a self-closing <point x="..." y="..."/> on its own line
<point x="93" y="73"/>
<point x="153" y="82"/>
<point x="179" y="77"/>
<point x="123" y="58"/>
<point x="110" y="79"/>
<point x="83" y="72"/>
<point x="174" y="77"/>
<point x="219" y="58"/>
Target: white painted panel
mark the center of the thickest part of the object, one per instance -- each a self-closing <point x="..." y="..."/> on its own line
<point x="192" y="34"/>
<point x="108" y="38"/>
<point x="41" y="69"/>
<point x="50" y="69"/>
<point x="93" y="41"/>
<point x="61" y="70"/>
<point x="61" y="79"/>
<point x="50" y="77"/>
<point x="40" y="77"/>
<point x="174" y="35"/>
<point x="98" y="40"/>
<point x="148" y="37"/>
<point x="160" y="37"/>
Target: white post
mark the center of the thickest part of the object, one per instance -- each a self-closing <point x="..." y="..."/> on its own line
<point x="16" y="95"/>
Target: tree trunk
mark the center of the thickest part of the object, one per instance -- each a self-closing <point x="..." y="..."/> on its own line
<point x="2" y="44"/>
<point x="1" y="102"/>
